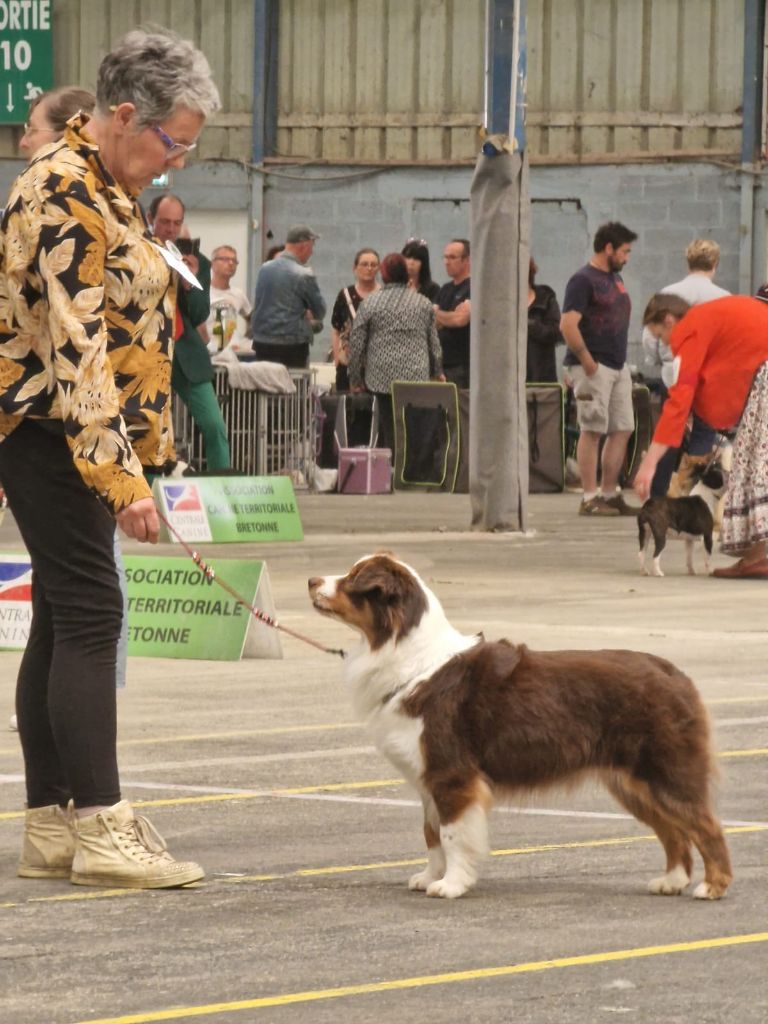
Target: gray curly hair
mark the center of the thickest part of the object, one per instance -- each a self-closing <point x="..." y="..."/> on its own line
<point x="157" y="71"/>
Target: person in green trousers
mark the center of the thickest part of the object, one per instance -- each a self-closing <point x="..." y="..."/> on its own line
<point x="192" y="371"/>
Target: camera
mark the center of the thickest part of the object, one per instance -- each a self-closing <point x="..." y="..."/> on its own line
<point x="188" y="246"/>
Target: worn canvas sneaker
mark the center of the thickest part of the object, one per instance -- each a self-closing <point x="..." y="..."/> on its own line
<point x="617" y="502"/>
<point x="597" y="506"/>
<point x="49" y="843"/>
<point x="120" y="849"/>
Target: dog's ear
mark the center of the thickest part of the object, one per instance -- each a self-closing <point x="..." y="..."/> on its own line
<point x="379" y="574"/>
<point x="712" y="477"/>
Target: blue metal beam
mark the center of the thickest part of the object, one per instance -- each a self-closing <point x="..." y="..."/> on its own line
<point x="505" y="50"/>
<point x="752" y="92"/>
<point x="266" y="27"/>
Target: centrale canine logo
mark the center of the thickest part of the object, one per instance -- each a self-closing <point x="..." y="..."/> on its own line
<point x="15" y="581"/>
<point x="183" y="498"/>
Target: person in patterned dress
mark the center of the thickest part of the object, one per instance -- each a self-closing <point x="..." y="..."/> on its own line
<point x="394" y="337"/>
<point x="86" y="317"/>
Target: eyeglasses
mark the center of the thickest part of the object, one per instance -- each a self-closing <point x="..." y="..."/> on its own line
<point x="373" y="264"/>
<point x="226" y="259"/>
<point x="174" y="148"/>
<point x="29" y="128"/>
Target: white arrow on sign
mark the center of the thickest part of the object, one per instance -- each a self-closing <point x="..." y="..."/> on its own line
<point x="9" y="105"/>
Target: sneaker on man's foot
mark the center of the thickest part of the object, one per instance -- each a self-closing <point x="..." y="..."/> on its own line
<point x="597" y="506"/>
<point x="120" y="849"/>
<point x="617" y="502"/>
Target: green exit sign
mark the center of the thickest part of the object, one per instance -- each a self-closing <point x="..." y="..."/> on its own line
<point x="26" y="56"/>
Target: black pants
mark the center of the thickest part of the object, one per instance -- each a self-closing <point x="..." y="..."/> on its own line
<point x="65" y="692"/>
<point x="294" y="356"/>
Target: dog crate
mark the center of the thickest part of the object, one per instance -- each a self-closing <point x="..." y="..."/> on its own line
<point x="268" y="434"/>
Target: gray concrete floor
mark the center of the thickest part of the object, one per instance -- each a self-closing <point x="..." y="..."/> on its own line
<point x="257" y="770"/>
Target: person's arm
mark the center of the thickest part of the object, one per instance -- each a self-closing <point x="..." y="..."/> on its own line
<point x="70" y="261"/>
<point x="690" y="350"/>
<point x="652" y="349"/>
<point x="358" y="344"/>
<point x="647" y="471"/>
<point x="458" y="317"/>
<point x="545" y="329"/>
<point x="195" y="303"/>
<point x="569" y="327"/>
<point x="435" y="349"/>
<point x="313" y="300"/>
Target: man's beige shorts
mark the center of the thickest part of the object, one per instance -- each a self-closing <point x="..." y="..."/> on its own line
<point x="603" y="401"/>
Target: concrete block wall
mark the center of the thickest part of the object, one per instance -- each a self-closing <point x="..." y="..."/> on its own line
<point x="352" y="207"/>
<point x="666" y="205"/>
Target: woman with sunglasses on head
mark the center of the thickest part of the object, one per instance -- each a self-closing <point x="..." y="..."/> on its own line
<point x="416" y="256"/>
<point x="86" y="319"/>
<point x="366" y="269"/>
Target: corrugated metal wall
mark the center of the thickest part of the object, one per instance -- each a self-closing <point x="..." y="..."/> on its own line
<point x="402" y="80"/>
<point x="394" y="80"/>
<point x="84" y="30"/>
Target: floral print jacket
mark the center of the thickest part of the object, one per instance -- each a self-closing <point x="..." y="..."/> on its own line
<point x="86" y="316"/>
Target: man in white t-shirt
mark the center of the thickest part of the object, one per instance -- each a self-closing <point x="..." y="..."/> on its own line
<point x="231" y="301"/>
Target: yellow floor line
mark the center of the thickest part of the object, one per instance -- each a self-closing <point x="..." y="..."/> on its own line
<point x="334" y="787"/>
<point x="386" y="865"/>
<point x="449" y="978"/>
<point x="286" y="730"/>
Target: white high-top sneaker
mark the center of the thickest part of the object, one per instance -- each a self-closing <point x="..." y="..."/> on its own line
<point x="120" y="849"/>
<point x="49" y="843"/>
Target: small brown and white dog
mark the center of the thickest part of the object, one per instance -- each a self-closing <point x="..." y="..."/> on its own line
<point x="690" y="518"/>
<point x="468" y="721"/>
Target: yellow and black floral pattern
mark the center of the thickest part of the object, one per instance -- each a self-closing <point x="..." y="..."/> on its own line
<point x="86" y="314"/>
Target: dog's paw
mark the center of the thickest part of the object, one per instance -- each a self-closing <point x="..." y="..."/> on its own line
<point x="706" y="891"/>
<point x="420" y="881"/>
<point x="446" y="890"/>
<point x="657" y="571"/>
<point x="671" y="884"/>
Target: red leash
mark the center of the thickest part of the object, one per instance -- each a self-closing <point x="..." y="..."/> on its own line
<point x="210" y="573"/>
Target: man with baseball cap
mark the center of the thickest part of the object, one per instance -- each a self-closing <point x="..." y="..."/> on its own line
<point x="287" y="302"/>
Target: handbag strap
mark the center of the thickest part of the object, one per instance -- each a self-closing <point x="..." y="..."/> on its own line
<point x="350" y="304"/>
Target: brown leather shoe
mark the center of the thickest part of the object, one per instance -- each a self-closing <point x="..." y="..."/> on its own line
<point x="742" y="570"/>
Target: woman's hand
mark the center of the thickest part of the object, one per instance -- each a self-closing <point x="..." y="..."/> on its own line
<point x="140" y="521"/>
<point x="647" y="471"/>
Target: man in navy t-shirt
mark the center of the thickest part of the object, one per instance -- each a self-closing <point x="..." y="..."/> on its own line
<point x="595" y="325"/>
<point x="452" y="310"/>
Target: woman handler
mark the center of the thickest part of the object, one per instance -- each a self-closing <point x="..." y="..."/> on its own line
<point x="721" y="351"/>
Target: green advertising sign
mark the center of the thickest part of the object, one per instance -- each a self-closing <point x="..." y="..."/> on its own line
<point x="227" y="509"/>
<point x="26" y="55"/>
<point x="175" y="611"/>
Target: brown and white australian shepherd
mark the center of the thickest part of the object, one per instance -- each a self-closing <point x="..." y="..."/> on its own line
<point x="467" y="721"/>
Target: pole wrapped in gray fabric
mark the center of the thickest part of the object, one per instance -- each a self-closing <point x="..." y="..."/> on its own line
<point x="498" y="427"/>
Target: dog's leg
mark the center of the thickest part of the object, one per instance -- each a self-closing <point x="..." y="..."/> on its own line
<point x="644" y="540"/>
<point x="435" y="868"/>
<point x="464" y="837"/>
<point x="704" y="828"/>
<point x="707" y="540"/>
<point x="659" y="540"/>
<point x="689" y="543"/>
<point x="694" y="817"/>
<point x="638" y="799"/>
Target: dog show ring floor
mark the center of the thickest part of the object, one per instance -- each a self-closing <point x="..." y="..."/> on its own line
<point x="258" y="771"/>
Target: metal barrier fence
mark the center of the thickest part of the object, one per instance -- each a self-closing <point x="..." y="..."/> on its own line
<point x="268" y="434"/>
